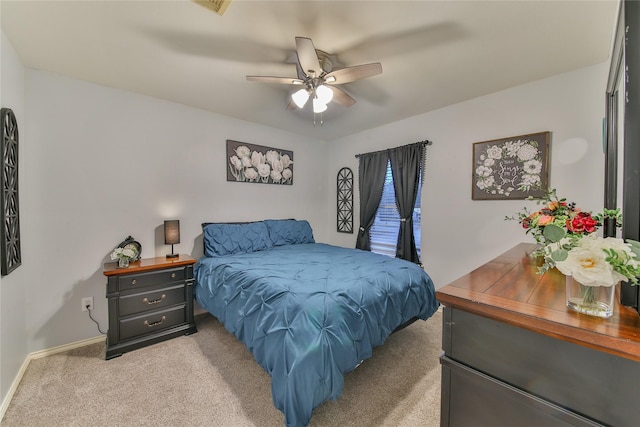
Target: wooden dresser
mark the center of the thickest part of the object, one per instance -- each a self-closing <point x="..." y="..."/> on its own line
<point x="149" y="301"/>
<point x="515" y="355"/>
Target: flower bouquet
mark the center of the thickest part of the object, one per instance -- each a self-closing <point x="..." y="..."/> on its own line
<point x="560" y="213"/>
<point x="124" y="256"/>
<point x="593" y="266"/>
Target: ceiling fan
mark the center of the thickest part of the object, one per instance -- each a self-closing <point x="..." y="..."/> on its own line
<point x="317" y="78"/>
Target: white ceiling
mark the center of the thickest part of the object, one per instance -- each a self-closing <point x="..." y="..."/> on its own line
<point x="433" y="53"/>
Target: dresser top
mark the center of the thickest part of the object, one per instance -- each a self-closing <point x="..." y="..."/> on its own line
<point x="146" y="264"/>
<point x="509" y="289"/>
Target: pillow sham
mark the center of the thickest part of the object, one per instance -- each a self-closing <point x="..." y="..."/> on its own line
<point x="228" y="239"/>
<point x="289" y="231"/>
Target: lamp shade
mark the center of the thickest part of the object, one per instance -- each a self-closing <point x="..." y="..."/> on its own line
<point x="172" y="232"/>
<point x="318" y="106"/>
<point x="324" y="93"/>
<point x="300" y="97"/>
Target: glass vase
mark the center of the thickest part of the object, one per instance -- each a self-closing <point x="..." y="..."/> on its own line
<point x="592" y="300"/>
<point x="123" y="262"/>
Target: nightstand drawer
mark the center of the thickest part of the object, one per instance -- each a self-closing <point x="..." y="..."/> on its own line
<point x="151" y="300"/>
<point x="128" y="282"/>
<point x="152" y="322"/>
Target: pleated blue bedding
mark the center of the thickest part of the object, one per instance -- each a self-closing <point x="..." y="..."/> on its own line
<point x="311" y="312"/>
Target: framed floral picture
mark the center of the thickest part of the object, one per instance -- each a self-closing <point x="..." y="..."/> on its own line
<point x="511" y="168"/>
<point x="258" y="164"/>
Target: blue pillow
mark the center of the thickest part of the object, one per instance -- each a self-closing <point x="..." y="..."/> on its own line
<point x="228" y="239"/>
<point x="289" y="232"/>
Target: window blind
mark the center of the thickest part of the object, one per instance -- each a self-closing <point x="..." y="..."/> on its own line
<point x="384" y="233"/>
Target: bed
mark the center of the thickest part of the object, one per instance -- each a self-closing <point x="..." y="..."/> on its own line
<point x="308" y="312"/>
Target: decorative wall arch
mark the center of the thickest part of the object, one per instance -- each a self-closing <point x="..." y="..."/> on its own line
<point x="10" y="227"/>
<point x="345" y="200"/>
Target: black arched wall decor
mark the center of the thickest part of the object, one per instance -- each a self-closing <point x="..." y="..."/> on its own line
<point x="10" y="227"/>
<point x="345" y="200"/>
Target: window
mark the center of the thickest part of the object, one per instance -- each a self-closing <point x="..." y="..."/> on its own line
<point x="384" y="233"/>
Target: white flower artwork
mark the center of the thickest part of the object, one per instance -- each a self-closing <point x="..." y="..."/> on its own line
<point x="258" y="164"/>
<point x="510" y="168"/>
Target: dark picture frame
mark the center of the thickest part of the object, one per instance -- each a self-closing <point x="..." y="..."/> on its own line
<point x="258" y="164"/>
<point x="10" y="229"/>
<point x="511" y="168"/>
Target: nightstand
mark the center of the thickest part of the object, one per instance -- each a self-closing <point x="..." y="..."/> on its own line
<point x="149" y="301"/>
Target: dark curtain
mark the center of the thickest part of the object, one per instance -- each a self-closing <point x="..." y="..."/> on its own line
<point x="406" y="166"/>
<point x="371" y="174"/>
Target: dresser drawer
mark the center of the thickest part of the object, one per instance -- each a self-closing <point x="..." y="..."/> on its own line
<point x="151" y="300"/>
<point x="152" y="322"/>
<point x="566" y="374"/>
<point x="478" y="400"/>
<point x="127" y="282"/>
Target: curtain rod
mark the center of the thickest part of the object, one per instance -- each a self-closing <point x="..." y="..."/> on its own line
<point x="425" y="142"/>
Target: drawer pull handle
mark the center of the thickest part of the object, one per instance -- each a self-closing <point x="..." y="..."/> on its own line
<point x="154" y="301"/>
<point x="159" y="322"/>
<point x="173" y="275"/>
<point x="133" y="282"/>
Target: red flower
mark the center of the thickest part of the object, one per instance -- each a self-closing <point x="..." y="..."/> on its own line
<point x="582" y="223"/>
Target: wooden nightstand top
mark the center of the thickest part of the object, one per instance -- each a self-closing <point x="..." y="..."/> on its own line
<point x="146" y="264"/>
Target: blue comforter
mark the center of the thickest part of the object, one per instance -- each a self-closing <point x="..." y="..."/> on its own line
<point x="311" y="312"/>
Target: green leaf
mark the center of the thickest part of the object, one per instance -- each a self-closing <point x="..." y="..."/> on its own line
<point x="635" y="248"/>
<point x="559" y="255"/>
<point x="553" y="233"/>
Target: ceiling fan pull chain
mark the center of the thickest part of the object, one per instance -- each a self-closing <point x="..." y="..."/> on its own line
<point x="315" y="121"/>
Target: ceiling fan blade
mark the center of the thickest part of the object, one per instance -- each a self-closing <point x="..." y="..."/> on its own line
<point x="270" y="79"/>
<point x="341" y="97"/>
<point x="307" y="57"/>
<point x="350" y="74"/>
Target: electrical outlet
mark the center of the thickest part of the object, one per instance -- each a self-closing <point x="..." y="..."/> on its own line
<point x="88" y="301"/>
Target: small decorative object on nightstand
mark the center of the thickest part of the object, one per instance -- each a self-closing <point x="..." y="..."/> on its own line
<point x="149" y="302"/>
<point x="172" y="235"/>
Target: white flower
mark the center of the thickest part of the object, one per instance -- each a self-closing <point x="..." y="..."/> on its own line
<point x="483" y="171"/>
<point x="251" y="174"/>
<point x="287" y="174"/>
<point x="246" y="162"/>
<point x="532" y="167"/>
<point x="264" y="170"/>
<point x="512" y="147"/>
<point x="527" y="152"/>
<point x="276" y="176"/>
<point x="530" y="180"/>
<point x="257" y="158"/>
<point x="587" y="263"/>
<point x="485" y="183"/>
<point x="277" y="165"/>
<point x="489" y="162"/>
<point x="243" y="151"/>
<point x="272" y="156"/>
<point x="235" y="162"/>
<point x="123" y="253"/>
<point x="494" y="152"/>
<point x="286" y="161"/>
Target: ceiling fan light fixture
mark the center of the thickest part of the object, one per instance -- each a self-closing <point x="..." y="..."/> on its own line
<point x="330" y="79"/>
<point x="324" y="93"/>
<point x="300" y="97"/>
<point x="319" y="106"/>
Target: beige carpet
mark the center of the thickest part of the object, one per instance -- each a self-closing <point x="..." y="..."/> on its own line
<point x="210" y="379"/>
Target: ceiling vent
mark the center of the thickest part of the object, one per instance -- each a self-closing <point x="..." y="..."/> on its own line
<point x="218" y="6"/>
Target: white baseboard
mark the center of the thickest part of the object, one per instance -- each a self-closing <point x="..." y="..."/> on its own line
<point x="37" y="355"/>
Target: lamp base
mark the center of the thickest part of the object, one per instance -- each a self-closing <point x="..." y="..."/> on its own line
<point x="173" y="255"/>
